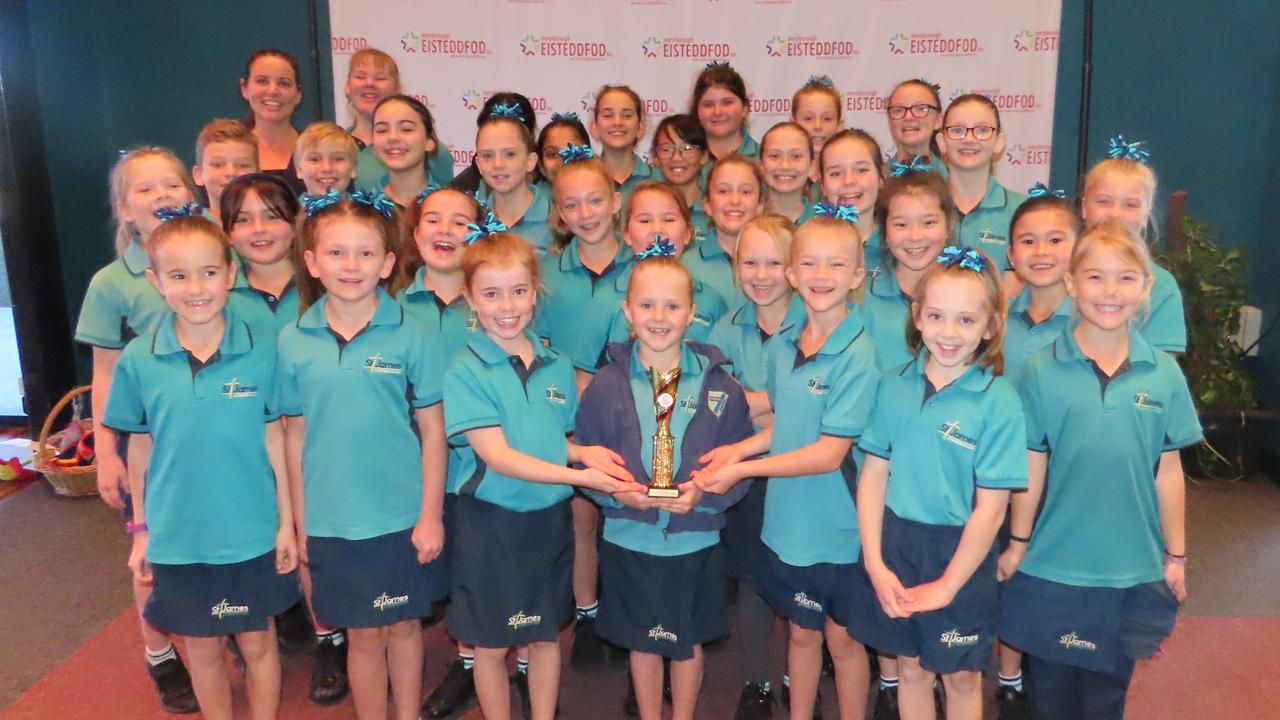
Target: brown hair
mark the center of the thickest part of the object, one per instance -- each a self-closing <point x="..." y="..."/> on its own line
<point x="721" y="75"/>
<point x="914" y="183"/>
<point x="973" y="98"/>
<point x="500" y="250"/>
<point x="937" y="102"/>
<point x="1046" y="202"/>
<point x="877" y="158"/>
<point x="817" y="86"/>
<point x="526" y="135"/>
<point x="250" y="120"/>
<point x="653" y="186"/>
<point x="737" y="158"/>
<point x="180" y="227"/>
<point x="221" y="130"/>
<point x="270" y="189"/>
<point x="625" y="90"/>
<point x="310" y="289"/>
<point x="118" y="183"/>
<point x="990" y="351"/>
<point x="409" y="259"/>
<point x="786" y="124"/>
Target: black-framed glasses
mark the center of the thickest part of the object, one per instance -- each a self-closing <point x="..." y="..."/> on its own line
<point x="980" y="133"/>
<point x="919" y="110"/>
<point x="666" y="151"/>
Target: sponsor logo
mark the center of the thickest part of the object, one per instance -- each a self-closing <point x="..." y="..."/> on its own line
<point x="865" y="100"/>
<point x="1072" y="641"/>
<point x="768" y="106"/>
<point x="950" y="431"/>
<point x="684" y="47"/>
<point x="235" y="390"/>
<point x="519" y="620"/>
<point x="716" y="400"/>
<point x="806" y="602"/>
<point x="1028" y="154"/>
<point x="817" y="387"/>
<point x="444" y="44"/>
<point x="660" y="633"/>
<point x="933" y="43"/>
<point x="589" y="101"/>
<point x="1006" y="101"/>
<point x="554" y="396"/>
<point x="563" y="46"/>
<point x="952" y="638"/>
<point x="462" y="157"/>
<point x="472" y="99"/>
<point x="385" y="601"/>
<point x="898" y="43"/>
<point x="809" y="46"/>
<point x="224" y="609"/>
<point x="1036" y="41"/>
<point x="375" y="364"/>
<point x="347" y="44"/>
<point x="1142" y="400"/>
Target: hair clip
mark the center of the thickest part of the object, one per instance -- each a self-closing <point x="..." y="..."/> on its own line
<point x="484" y="228"/>
<point x="1120" y="149"/>
<point x="571" y="153"/>
<point x="377" y="200"/>
<point x="847" y="213"/>
<point x="187" y="210"/>
<point x="313" y="204"/>
<point x="821" y="80"/>
<point x="430" y="188"/>
<point x="1041" y="190"/>
<point x="507" y="110"/>
<point x="719" y="65"/>
<point x="898" y="169"/>
<point x="937" y="87"/>
<point x="570" y="116"/>
<point x="660" y="247"/>
<point x="965" y="257"/>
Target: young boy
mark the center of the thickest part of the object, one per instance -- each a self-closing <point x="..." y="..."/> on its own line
<point x="225" y="150"/>
<point x="325" y="158"/>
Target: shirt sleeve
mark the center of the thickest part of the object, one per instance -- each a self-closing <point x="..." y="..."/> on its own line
<point x="102" y="314"/>
<point x="877" y="439"/>
<point x="591" y="430"/>
<point x="852" y="394"/>
<point x="570" y="385"/>
<point x="1182" y="427"/>
<point x="288" y="399"/>
<point x="125" y="409"/>
<point x="1027" y="385"/>
<point x="1001" y="458"/>
<point x="1165" y="328"/>
<point x="426" y="368"/>
<point x="268" y="392"/>
<point x="468" y="401"/>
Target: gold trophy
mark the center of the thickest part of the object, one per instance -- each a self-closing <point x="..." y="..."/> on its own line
<point x="665" y="383"/>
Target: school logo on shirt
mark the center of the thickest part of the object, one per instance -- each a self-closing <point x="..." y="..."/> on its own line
<point x="235" y="390"/>
<point x="225" y="609"/>
<point x="1072" y="641"/>
<point x="473" y="323"/>
<point x="989" y="237"/>
<point x="950" y="431"/>
<point x="375" y="364"/>
<point x="660" y="633"/>
<point x="520" y="620"/>
<point x="953" y="638"/>
<point x="702" y="319"/>
<point x="554" y="396"/>
<point x="689" y="404"/>
<point x="716" y="400"/>
<point x="1142" y="400"/>
<point x="817" y="387"/>
<point x="386" y="602"/>
<point x="804" y="601"/>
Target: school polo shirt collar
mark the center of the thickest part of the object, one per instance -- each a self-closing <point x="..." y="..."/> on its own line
<point x="1021" y="304"/>
<point x="1066" y="349"/>
<point x="388" y="312"/>
<point x="749" y="146"/>
<point x="996" y="197"/>
<point x="745" y="316"/>
<point x="642" y="170"/>
<point x="692" y="364"/>
<point x="419" y="287"/>
<point x="538" y="209"/>
<point x="134" y="257"/>
<point x="849" y="329"/>
<point x="571" y="260"/>
<point x="237" y="339"/>
<point x="884" y="283"/>
<point x="975" y="378"/>
<point x="707" y="245"/>
<point x="490" y="354"/>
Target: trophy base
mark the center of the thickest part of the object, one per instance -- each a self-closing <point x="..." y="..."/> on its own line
<point x="663" y="492"/>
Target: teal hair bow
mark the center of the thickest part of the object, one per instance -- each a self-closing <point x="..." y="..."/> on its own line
<point x="570" y="116"/>
<point x="820" y="80"/>
<point x="1041" y="190"/>
<point x="719" y="65"/>
<point x="660" y="247"/>
<point x="185" y="210"/>
<point x="571" y="153"/>
<point x="965" y="257"/>
<point x="1118" y="148"/>
<point x="484" y="228"/>
<point x="377" y="200"/>
<point x="847" y="213"/>
<point x="313" y="204"/>
<point x="430" y="188"/>
<point x="507" y="110"/>
<point x="898" y="169"/>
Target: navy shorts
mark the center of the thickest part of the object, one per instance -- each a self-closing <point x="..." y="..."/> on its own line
<point x="206" y="600"/>
<point x="665" y="605"/>
<point x="808" y="595"/>
<point x="951" y="639"/>
<point x="450" y="518"/>
<point x="512" y="574"/>
<point x="1096" y="628"/>
<point x="741" y="536"/>
<point x="373" y="582"/>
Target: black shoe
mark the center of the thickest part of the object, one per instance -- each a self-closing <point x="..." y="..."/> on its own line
<point x="755" y="703"/>
<point x="521" y="681"/>
<point x="886" y="703"/>
<point x="455" y="694"/>
<point x="294" y="632"/>
<point x="329" y="672"/>
<point x="817" y="702"/>
<point x="588" y="648"/>
<point x="174" y="686"/>
<point x="1012" y="703"/>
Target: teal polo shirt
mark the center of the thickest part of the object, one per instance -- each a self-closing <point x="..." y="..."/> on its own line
<point x="267" y="314"/>
<point x="1100" y="524"/>
<point x="887" y="310"/>
<point x="701" y="220"/>
<point x="1024" y="337"/>
<point x="449" y="326"/>
<point x="120" y="303"/>
<point x="210" y="491"/>
<point x="534" y="225"/>
<point x="811" y="519"/>
<point x="1165" y="326"/>
<point x="652" y="538"/>
<point x="942" y="445"/>
<point x="874" y="253"/>
<point x="748" y="147"/>
<point x="371" y="173"/>
<point x="710" y="264"/>
<point x="739" y="337"/>
<point x="986" y="227"/>
<point x="361" y="459"/>
<point x="710" y="308"/>
<point x="577" y="306"/>
<point x="641" y="172"/>
<point x="534" y="407"/>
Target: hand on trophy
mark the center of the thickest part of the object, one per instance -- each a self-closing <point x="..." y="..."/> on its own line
<point x="606" y="461"/>
<point x="690" y="496"/>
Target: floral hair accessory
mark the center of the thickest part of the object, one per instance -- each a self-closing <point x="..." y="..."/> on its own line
<point x="660" y="247"/>
<point x="898" y="169"/>
<point x="484" y="228"/>
<point x="719" y="65"/>
<point x="1118" y="148"/>
<point x="571" y="153"/>
<point x="820" y="80"/>
<point x="847" y="213"/>
<point x="965" y="257"/>
<point x="1041" y="190"/>
<point x="572" y="116"/>
<point x="313" y="204"/>
<point x="507" y="110"/>
<point x="430" y="188"/>
<point x="188" y="210"/>
<point x="377" y="200"/>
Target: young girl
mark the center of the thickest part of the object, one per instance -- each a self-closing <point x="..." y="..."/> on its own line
<point x="510" y="398"/>
<point x="916" y="216"/>
<point x="469" y="180"/>
<point x="271" y="89"/>
<point x="679" y="153"/>
<point x="736" y="193"/>
<point x="565" y="129"/>
<point x="943" y="451"/>
<point x="119" y="305"/>
<point x="915" y="117"/>
<point x="373" y="76"/>
<point x="353" y="372"/>
<point x="821" y="380"/>
<point x="744" y="335"/>
<point x="786" y="158"/>
<point x="662" y="570"/>
<point x="657" y="213"/>
<point x="618" y="125"/>
<point x="212" y="525"/>
<point x="721" y="103"/>
<point x="973" y="142"/>
<point x="851" y="169"/>
<point x="505" y="157"/>
<point x="1043" y="232"/>
<point x="1123" y="188"/>
<point x="403" y="136"/>
<point x="816" y="109"/>
<point x="258" y="214"/>
<point x="1094" y="583"/>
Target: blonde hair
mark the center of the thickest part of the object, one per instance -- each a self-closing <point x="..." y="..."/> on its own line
<point x="319" y="133"/>
<point x="379" y="60"/>
<point x="1116" y="237"/>
<point x="181" y="227"/>
<point x="779" y="229"/>
<point x="118" y="183"/>
<point x="816" y="86"/>
<point x="990" y="352"/>
<point x="560" y="229"/>
<point x="221" y="130"/>
<point x="655" y="263"/>
<point x="1128" y="169"/>
<point x="847" y="231"/>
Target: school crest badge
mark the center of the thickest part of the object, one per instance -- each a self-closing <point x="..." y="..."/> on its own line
<point x="716" y="400"/>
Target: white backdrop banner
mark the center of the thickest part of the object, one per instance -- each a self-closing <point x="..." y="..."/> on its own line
<point x="453" y="55"/>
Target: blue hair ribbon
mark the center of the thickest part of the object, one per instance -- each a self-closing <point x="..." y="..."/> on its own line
<point x="964" y="256"/>
<point x="313" y="204"/>
<point x="486" y="227"/>
<point x="1041" y="190"/>
<point x="190" y="209"/>
<point x="821" y="80"/>
<point x="571" y="116"/>
<point x="1118" y="148"/>
<point x="660" y="247"/>
<point x="937" y="87"/>
<point x="377" y="200"/>
<point x="847" y="213"/>
<point x="571" y="153"/>
<point x="507" y="110"/>
<point x="719" y="65"/>
<point x="898" y="169"/>
<point x="430" y="188"/>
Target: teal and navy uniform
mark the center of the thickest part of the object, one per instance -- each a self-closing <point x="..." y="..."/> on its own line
<point x="577" y="305"/>
<point x="120" y="303"/>
<point x="641" y="172"/>
<point x="748" y="147"/>
<point x="710" y="308"/>
<point x="874" y="252"/>
<point x="1165" y="327"/>
<point x="534" y="226"/>
<point x="210" y="490"/>
<point x="267" y="314"/>
<point x="941" y="446"/>
<point x="701" y="220"/>
<point x="1023" y="337"/>
<point x="986" y="227"/>
<point x="710" y="264"/>
<point x="371" y="173"/>
<point x="887" y="310"/>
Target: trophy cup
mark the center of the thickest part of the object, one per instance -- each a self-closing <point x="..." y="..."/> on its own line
<point x="664" y="445"/>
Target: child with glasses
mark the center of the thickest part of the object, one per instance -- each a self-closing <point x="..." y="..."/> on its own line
<point x="914" y="110"/>
<point x="679" y="151"/>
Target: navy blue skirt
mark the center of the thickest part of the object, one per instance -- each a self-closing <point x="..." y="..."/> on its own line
<point x="1096" y="628"/>
<point x="206" y="600"/>
<point x="808" y="595"/>
<point x="741" y="536"/>
<point x="373" y="582"/>
<point x="512" y="574"/>
<point x="665" y="605"/>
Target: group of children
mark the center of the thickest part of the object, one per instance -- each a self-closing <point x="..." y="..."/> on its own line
<point x="391" y="393"/>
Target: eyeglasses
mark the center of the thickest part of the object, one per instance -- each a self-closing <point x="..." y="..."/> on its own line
<point x="897" y="112"/>
<point x="980" y="133"/>
<point x="667" y="151"/>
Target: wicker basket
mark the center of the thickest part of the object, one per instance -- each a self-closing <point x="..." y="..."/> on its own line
<point x="74" y="480"/>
